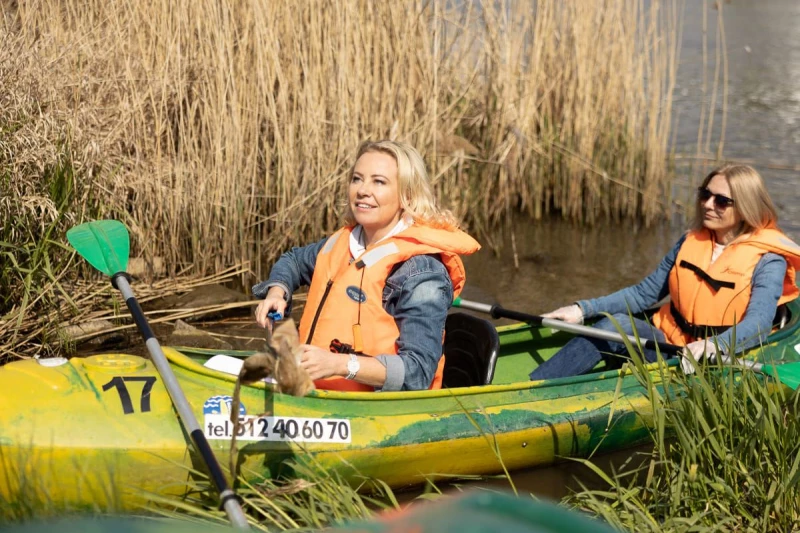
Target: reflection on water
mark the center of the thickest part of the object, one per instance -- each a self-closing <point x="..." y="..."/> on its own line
<point x="559" y="263"/>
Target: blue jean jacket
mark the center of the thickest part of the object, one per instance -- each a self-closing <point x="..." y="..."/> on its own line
<point x="767" y="287"/>
<point x="418" y="294"/>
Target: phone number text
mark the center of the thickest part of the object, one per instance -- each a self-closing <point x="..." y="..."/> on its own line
<point x="278" y="428"/>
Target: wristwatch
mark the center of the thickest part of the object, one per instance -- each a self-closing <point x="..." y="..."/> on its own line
<point x="353" y="366"/>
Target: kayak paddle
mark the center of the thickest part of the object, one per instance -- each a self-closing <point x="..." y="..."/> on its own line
<point x="500" y="312"/>
<point x="105" y="244"/>
<point x="787" y="373"/>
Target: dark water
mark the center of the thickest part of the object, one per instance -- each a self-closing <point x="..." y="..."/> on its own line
<point x="763" y="124"/>
<point x="557" y="263"/>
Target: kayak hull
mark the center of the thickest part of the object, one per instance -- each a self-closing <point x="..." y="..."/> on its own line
<point x="102" y="431"/>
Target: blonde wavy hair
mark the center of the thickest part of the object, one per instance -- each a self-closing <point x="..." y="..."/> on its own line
<point x="750" y="198"/>
<point x="416" y="194"/>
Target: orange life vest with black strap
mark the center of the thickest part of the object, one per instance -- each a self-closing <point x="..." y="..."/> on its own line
<point x="345" y="292"/>
<point x="707" y="299"/>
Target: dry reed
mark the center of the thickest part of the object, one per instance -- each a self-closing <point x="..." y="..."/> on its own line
<point x="225" y="127"/>
<point x="220" y="131"/>
<point x="25" y="332"/>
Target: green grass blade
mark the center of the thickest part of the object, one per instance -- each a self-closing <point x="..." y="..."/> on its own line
<point x="105" y="244"/>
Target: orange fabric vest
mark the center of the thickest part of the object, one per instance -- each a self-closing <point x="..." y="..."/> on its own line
<point x="339" y="283"/>
<point x="696" y="299"/>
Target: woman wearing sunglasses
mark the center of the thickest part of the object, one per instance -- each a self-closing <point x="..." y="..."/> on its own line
<point x="733" y="267"/>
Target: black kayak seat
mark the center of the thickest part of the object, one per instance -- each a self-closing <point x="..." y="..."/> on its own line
<point x="471" y="347"/>
<point x="782" y="316"/>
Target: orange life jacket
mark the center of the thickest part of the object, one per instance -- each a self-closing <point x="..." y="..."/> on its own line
<point x="345" y="292"/>
<point x="707" y="299"/>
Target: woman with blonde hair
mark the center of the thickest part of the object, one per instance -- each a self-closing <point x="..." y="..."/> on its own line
<point x="732" y="268"/>
<point x="381" y="286"/>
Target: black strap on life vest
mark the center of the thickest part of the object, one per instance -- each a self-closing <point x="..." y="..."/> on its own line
<point x="715" y="283"/>
<point x="694" y="330"/>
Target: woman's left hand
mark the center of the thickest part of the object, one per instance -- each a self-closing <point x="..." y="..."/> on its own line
<point x="321" y="363"/>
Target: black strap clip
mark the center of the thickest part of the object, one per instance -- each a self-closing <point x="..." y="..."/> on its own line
<point x="715" y="283"/>
<point x="338" y="346"/>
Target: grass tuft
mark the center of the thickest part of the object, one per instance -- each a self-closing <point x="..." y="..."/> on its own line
<point x="726" y="456"/>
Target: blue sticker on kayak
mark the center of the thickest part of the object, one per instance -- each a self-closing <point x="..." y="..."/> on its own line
<point x="356" y="294"/>
<point x="221" y="405"/>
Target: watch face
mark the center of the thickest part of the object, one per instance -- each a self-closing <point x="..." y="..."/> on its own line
<point x="352" y="367"/>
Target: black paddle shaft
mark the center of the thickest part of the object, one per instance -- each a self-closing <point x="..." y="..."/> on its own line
<point x="500" y="312"/>
<point x="229" y="501"/>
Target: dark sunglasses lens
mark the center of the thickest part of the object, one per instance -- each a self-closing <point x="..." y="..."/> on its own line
<point x="722" y="202"/>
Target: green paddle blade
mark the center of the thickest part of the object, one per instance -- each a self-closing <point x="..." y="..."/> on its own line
<point x="787" y="373"/>
<point x="105" y="244"/>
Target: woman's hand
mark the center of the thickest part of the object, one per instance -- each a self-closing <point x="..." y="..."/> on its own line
<point x="275" y="301"/>
<point x="321" y="364"/>
<point x="570" y="313"/>
<point x="695" y="352"/>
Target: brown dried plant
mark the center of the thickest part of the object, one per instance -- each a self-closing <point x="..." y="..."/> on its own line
<point x="226" y="128"/>
<point x="222" y="132"/>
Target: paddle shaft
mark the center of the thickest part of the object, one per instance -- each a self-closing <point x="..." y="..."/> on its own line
<point x="500" y="312"/>
<point x="228" y="498"/>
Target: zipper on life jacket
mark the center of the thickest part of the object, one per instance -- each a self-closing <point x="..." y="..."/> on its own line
<point x="358" y="343"/>
<point x="319" y="310"/>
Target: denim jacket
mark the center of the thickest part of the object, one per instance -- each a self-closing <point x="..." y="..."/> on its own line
<point x="767" y="287"/>
<point x="418" y="294"/>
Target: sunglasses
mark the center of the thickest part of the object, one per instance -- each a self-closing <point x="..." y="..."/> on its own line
<point x="720" y="202"/>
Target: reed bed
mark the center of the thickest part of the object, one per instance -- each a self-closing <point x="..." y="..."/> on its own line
<point x="726" y="457"/>
<point x="221" y="132"/>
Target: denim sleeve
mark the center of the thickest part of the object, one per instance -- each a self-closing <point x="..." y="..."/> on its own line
<point x="766" y="290"/>
<point x="639" y="297"/>
<point x="291" y="271"/>
<point x="418" y="295"/>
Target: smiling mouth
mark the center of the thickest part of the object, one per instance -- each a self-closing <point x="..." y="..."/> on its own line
<point x="364" y="206"/>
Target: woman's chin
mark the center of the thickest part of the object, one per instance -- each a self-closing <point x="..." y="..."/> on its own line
<point x="365" y="221"/>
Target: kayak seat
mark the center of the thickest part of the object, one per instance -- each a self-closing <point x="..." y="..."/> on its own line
<point x="471" y="346"/>
<point x="782" y="316"/>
